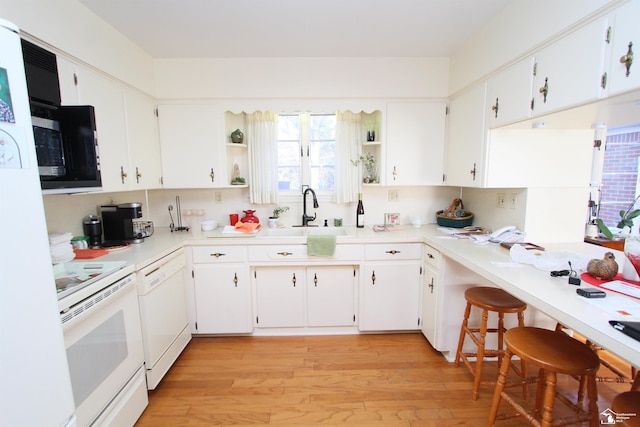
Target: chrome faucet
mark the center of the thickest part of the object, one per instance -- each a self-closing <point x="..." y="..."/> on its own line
<point x="306" y="219"/>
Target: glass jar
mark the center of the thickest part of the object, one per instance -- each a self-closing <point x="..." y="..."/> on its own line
<point x="631" y="269"/>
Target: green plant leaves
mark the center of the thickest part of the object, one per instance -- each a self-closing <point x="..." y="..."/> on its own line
<point x="604" y="229"/>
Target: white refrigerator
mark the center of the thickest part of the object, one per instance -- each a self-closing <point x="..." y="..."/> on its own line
<point x="35" y="387"/>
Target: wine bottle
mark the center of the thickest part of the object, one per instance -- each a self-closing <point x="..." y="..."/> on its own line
<point x="360" y="212"/>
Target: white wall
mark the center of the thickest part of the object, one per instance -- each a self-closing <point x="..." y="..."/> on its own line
<point x="302" y="78"/>
<point x="523" y="25"/>
<point x="65" y="212"/>
<point x="68" y="26"/>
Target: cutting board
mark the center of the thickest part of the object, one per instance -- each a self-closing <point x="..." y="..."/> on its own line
<point x="89" y="253"/>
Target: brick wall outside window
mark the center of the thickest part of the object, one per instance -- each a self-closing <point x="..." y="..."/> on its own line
<point x="619" y="176"/>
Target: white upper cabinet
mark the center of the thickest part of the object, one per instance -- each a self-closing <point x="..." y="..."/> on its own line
<point x="625" y="37"/>
<point x="538" y="158"/>
<point x="569" y="72"/>
<point x="81" y="86"/>
<point x="415" y="143"/>
<point x="467" y="135"/>
<point x="144" y="144"/>
<point x="509" y="94"/>
<point x="191" y="146"/>
<point x="126" y="124"/>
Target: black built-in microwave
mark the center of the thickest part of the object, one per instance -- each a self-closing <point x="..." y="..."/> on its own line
<point x="67" y="149"/>
<point x="65" y="136"/>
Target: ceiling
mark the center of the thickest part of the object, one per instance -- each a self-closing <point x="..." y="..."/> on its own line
<point x="297" y="28"/>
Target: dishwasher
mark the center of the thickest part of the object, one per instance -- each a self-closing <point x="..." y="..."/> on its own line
<point x="163" y="314"/>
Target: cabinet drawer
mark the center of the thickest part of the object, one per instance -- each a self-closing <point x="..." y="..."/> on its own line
<point x="432" y="257"/>
<point x="392" y="251"/>
<point x="219" y="254"/>
<point x="299" y="253"/>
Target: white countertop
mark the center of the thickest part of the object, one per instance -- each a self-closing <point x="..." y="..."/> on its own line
<point x="551" y="295"/>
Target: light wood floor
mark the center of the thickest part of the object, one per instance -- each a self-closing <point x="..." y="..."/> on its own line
<point x="354" y="380"/>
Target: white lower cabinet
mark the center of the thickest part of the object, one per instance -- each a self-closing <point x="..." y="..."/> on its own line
<point x="430" y="292"/>
<point x="331" y="296"/>
<point x="222" y="290"/>
<point x="318" y="296"/>
<point x="279" y="297"/>
<point x="390" y="296"/>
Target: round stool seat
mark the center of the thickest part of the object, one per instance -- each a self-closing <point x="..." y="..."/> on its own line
<point x="627" y="403"/>
<point x="551" y="350"/>
<point x="553" y="353"/>
<point x="493" y="299"/>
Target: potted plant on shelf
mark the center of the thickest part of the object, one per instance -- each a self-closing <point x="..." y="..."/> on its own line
<point x="626" y="221"/>
<point x="370" y="170"/>
<point x="273" y="219"/>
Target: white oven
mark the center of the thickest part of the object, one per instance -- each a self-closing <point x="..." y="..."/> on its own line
<point x="103" y="339"/>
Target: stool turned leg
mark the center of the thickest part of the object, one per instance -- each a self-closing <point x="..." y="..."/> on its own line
<point x="500" y="347"/>
<point x="497" y="394"/>
<point x="549" y="398"/>
<point x="480" y="356"/>
<point x="463" y="329"/>
<point x="523" y="364"/>
<point x="592" y="395"/>
<point x="542" y="377"/>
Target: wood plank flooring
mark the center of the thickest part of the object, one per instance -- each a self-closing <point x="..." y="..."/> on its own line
<point x="356" y="380"/>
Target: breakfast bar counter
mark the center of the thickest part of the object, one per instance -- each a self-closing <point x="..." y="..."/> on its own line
<point x="461" y="264"/>
<point x="553" y="296"/>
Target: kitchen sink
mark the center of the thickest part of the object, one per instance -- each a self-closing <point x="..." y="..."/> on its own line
<point x="303" y="231"/>
<point x="327" y="231"/>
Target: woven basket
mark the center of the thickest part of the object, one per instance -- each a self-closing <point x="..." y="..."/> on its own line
<point x="454" y="222"/>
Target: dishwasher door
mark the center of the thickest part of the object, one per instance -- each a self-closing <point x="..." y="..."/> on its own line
<point x="163" y="314"/>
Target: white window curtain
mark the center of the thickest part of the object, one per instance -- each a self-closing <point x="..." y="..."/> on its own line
<point x="262" y="139"/>
<point x="348" y="149"/>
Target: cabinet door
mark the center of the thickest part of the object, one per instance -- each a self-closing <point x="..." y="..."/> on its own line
<point x="279" y="297"/>
<point x="415" y="143"/>
<point x="108" y="100"/>
<point x="330" y="296"/>
<point x="467" y="135"/>
<point x="390" y="296"/>
<point x="191" y="146"/>
<point x="625" y="31"/>
<point x="509" y="94"/>
<point x="429" y="305"/>
<point x="144" y="143"/>
<point x="222" y="298"/>
<point x="67" y="79"/>
<point x="570" y="69"/>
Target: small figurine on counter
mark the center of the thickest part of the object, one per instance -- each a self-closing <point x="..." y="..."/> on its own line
<point x="603" y="269"/>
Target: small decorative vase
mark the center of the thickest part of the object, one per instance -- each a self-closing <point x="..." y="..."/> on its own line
<point x="237" y="137"/>
<point x="371" y="135"/>
<point x="250" y="217"/>
<point x="273" y="222"/>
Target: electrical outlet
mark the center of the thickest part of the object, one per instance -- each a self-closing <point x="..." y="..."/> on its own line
<point x="394" y="195"/>
<point x="500" y="200"/>
<point x="218" y="196"/>
<point x="513" y="201"/>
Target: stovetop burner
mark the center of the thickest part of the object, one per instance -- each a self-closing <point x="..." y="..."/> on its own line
<point x="72" y="276"/>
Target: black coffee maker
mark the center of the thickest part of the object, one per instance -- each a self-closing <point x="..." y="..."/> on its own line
<point x="117" y="223"/>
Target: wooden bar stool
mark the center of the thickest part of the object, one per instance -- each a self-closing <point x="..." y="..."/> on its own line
<point x="487" y="299"/>
<point x="631" y="376"/>
<point x="553" y="353"/>
<point x="627" y="409"/>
